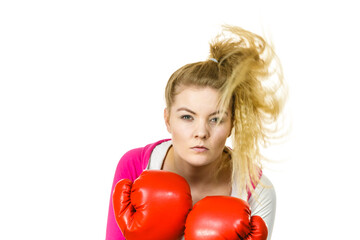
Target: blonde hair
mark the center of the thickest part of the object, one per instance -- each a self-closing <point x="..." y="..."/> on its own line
<point x="247" y="73"/>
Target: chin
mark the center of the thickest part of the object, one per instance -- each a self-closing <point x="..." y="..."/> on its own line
<point x="199" y="161"/>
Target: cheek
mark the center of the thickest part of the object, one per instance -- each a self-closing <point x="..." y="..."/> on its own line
<point x="222" y="133"/>
<point x="221" y="136"/>
<point x="180" y="130"/>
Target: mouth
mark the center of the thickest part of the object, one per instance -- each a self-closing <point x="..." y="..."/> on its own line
<point x="199" y="149"/>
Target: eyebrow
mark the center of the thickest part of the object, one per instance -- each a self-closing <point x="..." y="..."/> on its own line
<point x="192" y="112"/>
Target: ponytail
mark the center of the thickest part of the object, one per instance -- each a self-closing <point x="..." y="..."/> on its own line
<point x="255" y="90"/>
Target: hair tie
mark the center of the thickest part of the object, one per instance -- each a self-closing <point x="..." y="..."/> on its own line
<point x="214" y="60"/>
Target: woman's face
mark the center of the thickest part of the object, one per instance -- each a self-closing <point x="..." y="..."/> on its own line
<point x="192" y="122"/>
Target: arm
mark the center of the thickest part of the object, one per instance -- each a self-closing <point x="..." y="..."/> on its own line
<point x="129" y="167"/>
<point x="263" y="203"/>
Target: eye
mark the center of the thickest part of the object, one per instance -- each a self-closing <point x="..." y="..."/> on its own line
<point x="186" y="117"/>
<point x="215" y="120"/>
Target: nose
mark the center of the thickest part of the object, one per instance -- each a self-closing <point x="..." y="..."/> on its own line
<point x="202" y="130"/>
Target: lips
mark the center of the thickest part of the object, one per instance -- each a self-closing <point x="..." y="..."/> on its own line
<point x="199" y="148"/>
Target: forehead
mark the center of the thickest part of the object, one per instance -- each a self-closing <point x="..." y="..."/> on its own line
<point x="197" y="98"/>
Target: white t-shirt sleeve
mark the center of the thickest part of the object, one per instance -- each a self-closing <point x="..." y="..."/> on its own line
<point x="263" y="203"/>
<point x="158" y="154"/>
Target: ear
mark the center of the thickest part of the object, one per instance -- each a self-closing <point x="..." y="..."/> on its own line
<point x="231" y="127"/>
<point x="167" y="119"/>
<point x="231" y="130"/>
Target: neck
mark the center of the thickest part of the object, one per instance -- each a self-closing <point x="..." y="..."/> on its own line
<point x="196" y="176"/>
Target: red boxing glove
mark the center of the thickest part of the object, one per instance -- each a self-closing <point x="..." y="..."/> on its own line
<point x="155" y="206"/>
<point x="223" y="217"/>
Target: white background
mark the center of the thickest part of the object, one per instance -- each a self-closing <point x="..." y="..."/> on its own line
<point x="82" y="82"/>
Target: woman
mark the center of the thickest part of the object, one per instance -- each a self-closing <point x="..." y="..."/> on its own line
<point x="233" y="93"/>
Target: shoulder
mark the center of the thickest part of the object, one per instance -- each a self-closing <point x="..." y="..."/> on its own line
<point x="158" y="155"/>
<point x="134" y="161"/>
<point x="265" y="187"/>
<point x="263" y="202"/>
<point x="264" y="195"/>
